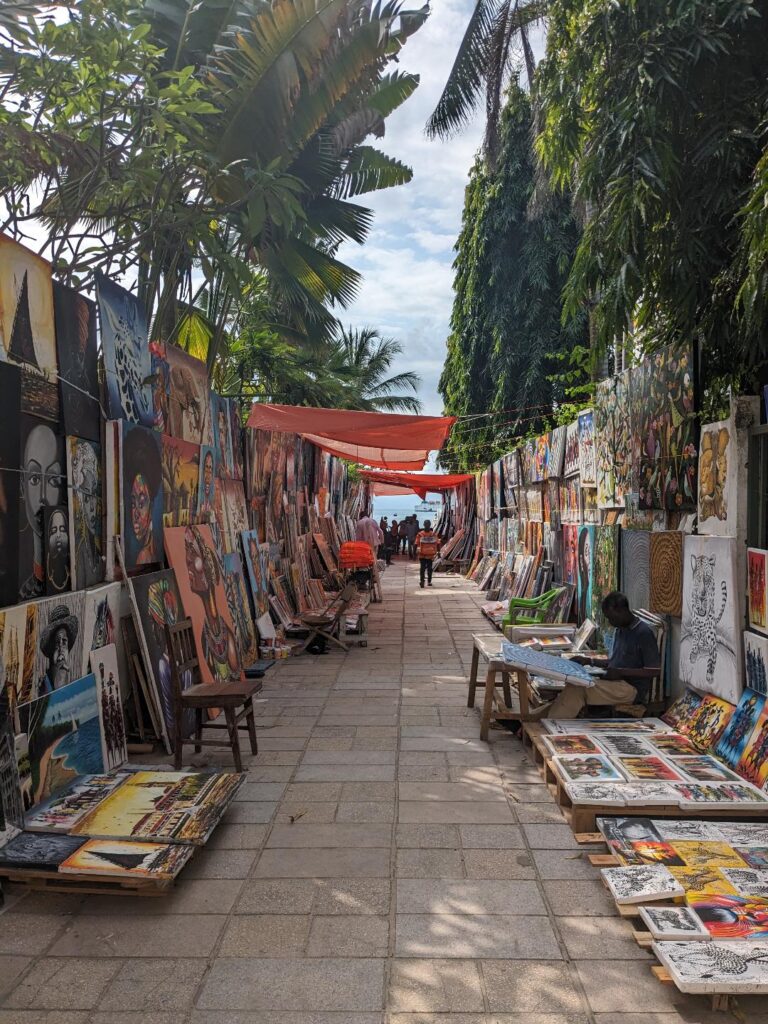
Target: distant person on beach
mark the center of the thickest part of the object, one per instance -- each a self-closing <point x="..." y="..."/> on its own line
<point x="427" y="545"/>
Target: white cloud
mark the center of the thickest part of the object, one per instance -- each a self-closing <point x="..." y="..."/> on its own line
<point x="406" y="261"/>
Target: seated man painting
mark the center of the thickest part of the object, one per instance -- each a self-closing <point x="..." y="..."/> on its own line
<point x="633" y="663"/>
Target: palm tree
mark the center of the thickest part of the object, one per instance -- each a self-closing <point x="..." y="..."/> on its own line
<point x="361" y="358"/>
<point x="491" y="51"/>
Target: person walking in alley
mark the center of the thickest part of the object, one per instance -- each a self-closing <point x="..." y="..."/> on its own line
<point x="402" y="535"/>
<point x="427" y="546"/>
<point x="369" y="531"/>
<point x="394" y="533"/>
<point x="412" y="530"/>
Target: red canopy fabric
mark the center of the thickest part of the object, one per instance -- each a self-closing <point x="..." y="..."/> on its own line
<point x="419" y="483"/>
<point x="387" y="440"/>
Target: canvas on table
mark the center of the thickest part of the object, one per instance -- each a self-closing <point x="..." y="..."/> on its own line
<point x="727" y="916"/>
<point x="710" y="644"/>
<point x="200" y="578"/>
<point x="624" y="744"/>
<point x="704" y="768"/>
<point x="648" y="768"/>
<point x="31" y="850"/>
<point x="748" y="881"/>
<point x="113" y="744"/>
<point x="605" y="794"/>
<point x="672" y="745"/>
<point x="657" y="794"/>
<point x="688" y="828"/>
<point x="572" y="743"/>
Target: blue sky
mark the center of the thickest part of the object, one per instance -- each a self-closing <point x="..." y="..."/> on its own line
<point x="406" y="261"/>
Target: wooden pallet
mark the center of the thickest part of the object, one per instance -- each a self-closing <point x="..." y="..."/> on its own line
<point x="85" y="885"/>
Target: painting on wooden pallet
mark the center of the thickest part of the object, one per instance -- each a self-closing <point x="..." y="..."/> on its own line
<point x="66" y="808"/>
<point x="674" y="744"/>
<point x="673" y="923"/>
<point x="704" y="768"/>
<point x="748" y="881"/>
<point x="641" y="884"/>
<point x="604" y="794"/>
<point x="572" y="743"/>
<point x="40" y="852"/>
<point x="745" y="833"/>
<point x="650" y="792"/>
<point x="732" y="917"/>
<point x="648" y="768"/>
<point x="623" y="744"/>
<point x="701" y="967"/>
<point x="704" y="831"/>
<point x="588" y="766"/>
<point x="159" y="861"/>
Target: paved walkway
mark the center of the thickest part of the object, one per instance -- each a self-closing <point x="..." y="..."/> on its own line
<point x="381" y="864"/>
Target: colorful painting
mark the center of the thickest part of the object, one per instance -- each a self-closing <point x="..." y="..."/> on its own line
<point x="104" y="668"/>
<point x="142" y="497"/>
<point x="704" y="768"/>
<point x="161" y="386"/>
<point x="43" y="483"/>
<point x="717" y="479"/>
<point x="85" y="512"/>
<point x="240" y="610"/>
<point x="757" y="590"/>
<point x="181" y="476"/>
<point x="734" y="739"/>
<point x="586" y="562"/>
<point x="587" y="463"/>
<point x="571" y="456"/>
<point x="58" y="570"/>
<point x="27" y="332"/>
<point x="190" y="415"/>
<point x="756" y="662"/>
<point x="231" y="500"/>
<point x="710" y="639"/>
<point x="59" y="635"/>
<point x="703" y="880"/>
<point x="663" y="386"/>
<point x="578" y="768"/>
<point x="76" y="345"/>
<point x="206" y="490"/>
<point x="257" y="561"/>
<point x="11" y="804"/>
<point x="708" y="722"/>
<point x="182" y="807"/>
<point x="753" y="764"/>
<point x="158" y="601"/>
<point x="63" y="810"/>
<point x="626" y="744"/>
<point x="125" y="347"/>
<point x="733" y="917"/>
<point x="200" y="577"/>
<point x="30" y="850"/>
<point x="754" y="856"/>
<point x="116" y="857"/>
<point x="572" y="743"/>
<point x="673" y="745"/>
<point x="605" y="576"/>
<point x="613" y="441"/>
<point x="649" y="768"/>
<point x="679" y="714"/>
<point x="63" y="736"/>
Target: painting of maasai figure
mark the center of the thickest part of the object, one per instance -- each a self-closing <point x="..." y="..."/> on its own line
<point x="206" y="488"/>
<point x="158" y="601"/>
<point x="734" y="739"/>
<point x="757" y="593"/>
<point x="58" y="577"/>
<point x="756" y="662"/>
<point x="190" y="414"/>
<point x="753" y="764"/>
<point x="43" y="485"/>
<point x="142" y="504"/>
<point x="181" y="476"/>
<point x="59" y="656"/>
<point x="78" y="379"/>
<point x="200" y="577"/>
<point x="710" y="640"/>
<point x="104" y="668"/>
<point x="85" y="505"/>
<point x="127" y="362"/>
<point x="27" y="333"/>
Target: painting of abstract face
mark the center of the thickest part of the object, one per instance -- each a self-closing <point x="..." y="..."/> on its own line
<point x="43" y="485"/>
<point x="85" y="525"/>
<point x="59" y="655"/>
<point x="127" y="361"/>
<point x="142" y="504"/>
<point x="76" y="346"/>
<point x="57" y="571"/>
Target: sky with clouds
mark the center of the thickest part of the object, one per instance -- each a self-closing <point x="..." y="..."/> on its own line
<point x="406" y="261"/>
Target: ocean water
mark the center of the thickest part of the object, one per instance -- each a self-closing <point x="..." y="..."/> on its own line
<point x="399" y="508"/>
<point x="82" y="749"/>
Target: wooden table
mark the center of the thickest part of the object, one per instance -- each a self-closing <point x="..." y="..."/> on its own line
<point x="488" y="646"/>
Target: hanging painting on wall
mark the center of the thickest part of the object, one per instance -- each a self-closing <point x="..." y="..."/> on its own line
<point x="85" y="516"/>
<point x="62" y="732"/>
<point x="27" y="333"/>
<point x="571" y="456"/>
<point x="756" y="662"/>
<point x="127" y="363"/>
<point x="613" y="441"/>
<point x="10" y="450"/>
<point x="570" y="554"/>
<point x="605" y="569"/>
<point x="78" y="378"/>
<point x="587" y="465"/>
<point x="717" y="479"/>
<point x="59" y="655"/>
<point x="58" y="575"/>
<point x="586" y="561"/>
<point x="181" y="474"/>
<point x="200" y="577"/>
<point x="206" y="488"/>
<point x="142" y="496"/>
<point x="666" y="569"/>
<point x="757" y="590"/>
<point x="43" y="483"/>
<point x="161" y="386"/>
<point x="190" y="416"/>
<point x="710" y="641"/>
<point x="159" y="603"/>
<point x="105" y="670"/>
<point x="556" y="452"/>
<point x="636" y="567"/>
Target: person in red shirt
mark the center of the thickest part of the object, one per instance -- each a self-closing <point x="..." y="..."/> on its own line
<point x="427" y="546"/>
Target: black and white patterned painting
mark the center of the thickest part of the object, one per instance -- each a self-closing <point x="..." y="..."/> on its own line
<point x="608" y="794"/>
<point x="127" y="362"/>
<point x="689" y="829"/>
<point x="748" y="881"/>
<point x="673" y="923"/>
<point x="732" y="966"/>
<point x="641" y="884"/>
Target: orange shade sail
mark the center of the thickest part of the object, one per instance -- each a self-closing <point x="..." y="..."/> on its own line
<point x="419" y="483"/>
<point x="386" y="440"/>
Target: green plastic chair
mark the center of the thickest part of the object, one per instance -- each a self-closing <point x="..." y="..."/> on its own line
<point x="531" y="611"/>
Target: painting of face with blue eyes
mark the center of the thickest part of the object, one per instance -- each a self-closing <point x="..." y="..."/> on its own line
<point x="142" y="505"/>
<point x="43" y="485"/>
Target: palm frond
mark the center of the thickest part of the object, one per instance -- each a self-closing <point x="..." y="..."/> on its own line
<point x="368" y="170"/>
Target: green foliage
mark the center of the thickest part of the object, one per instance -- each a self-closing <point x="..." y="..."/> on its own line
<point x="507" y="348"/>
<point x="653" y="115"/>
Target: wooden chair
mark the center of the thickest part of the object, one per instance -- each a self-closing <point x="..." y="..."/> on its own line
<point x="326" y="623"/>
<point x="234" y="698"/>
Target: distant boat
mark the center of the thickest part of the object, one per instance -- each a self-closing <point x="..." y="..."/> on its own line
<point x="427" y="506"/>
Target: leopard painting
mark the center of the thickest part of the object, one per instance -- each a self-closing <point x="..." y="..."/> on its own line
<point x="703" y="618"/>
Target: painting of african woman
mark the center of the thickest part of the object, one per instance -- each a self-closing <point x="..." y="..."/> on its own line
<point x="200" y="576"/>
<point x="142" y="497"/>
